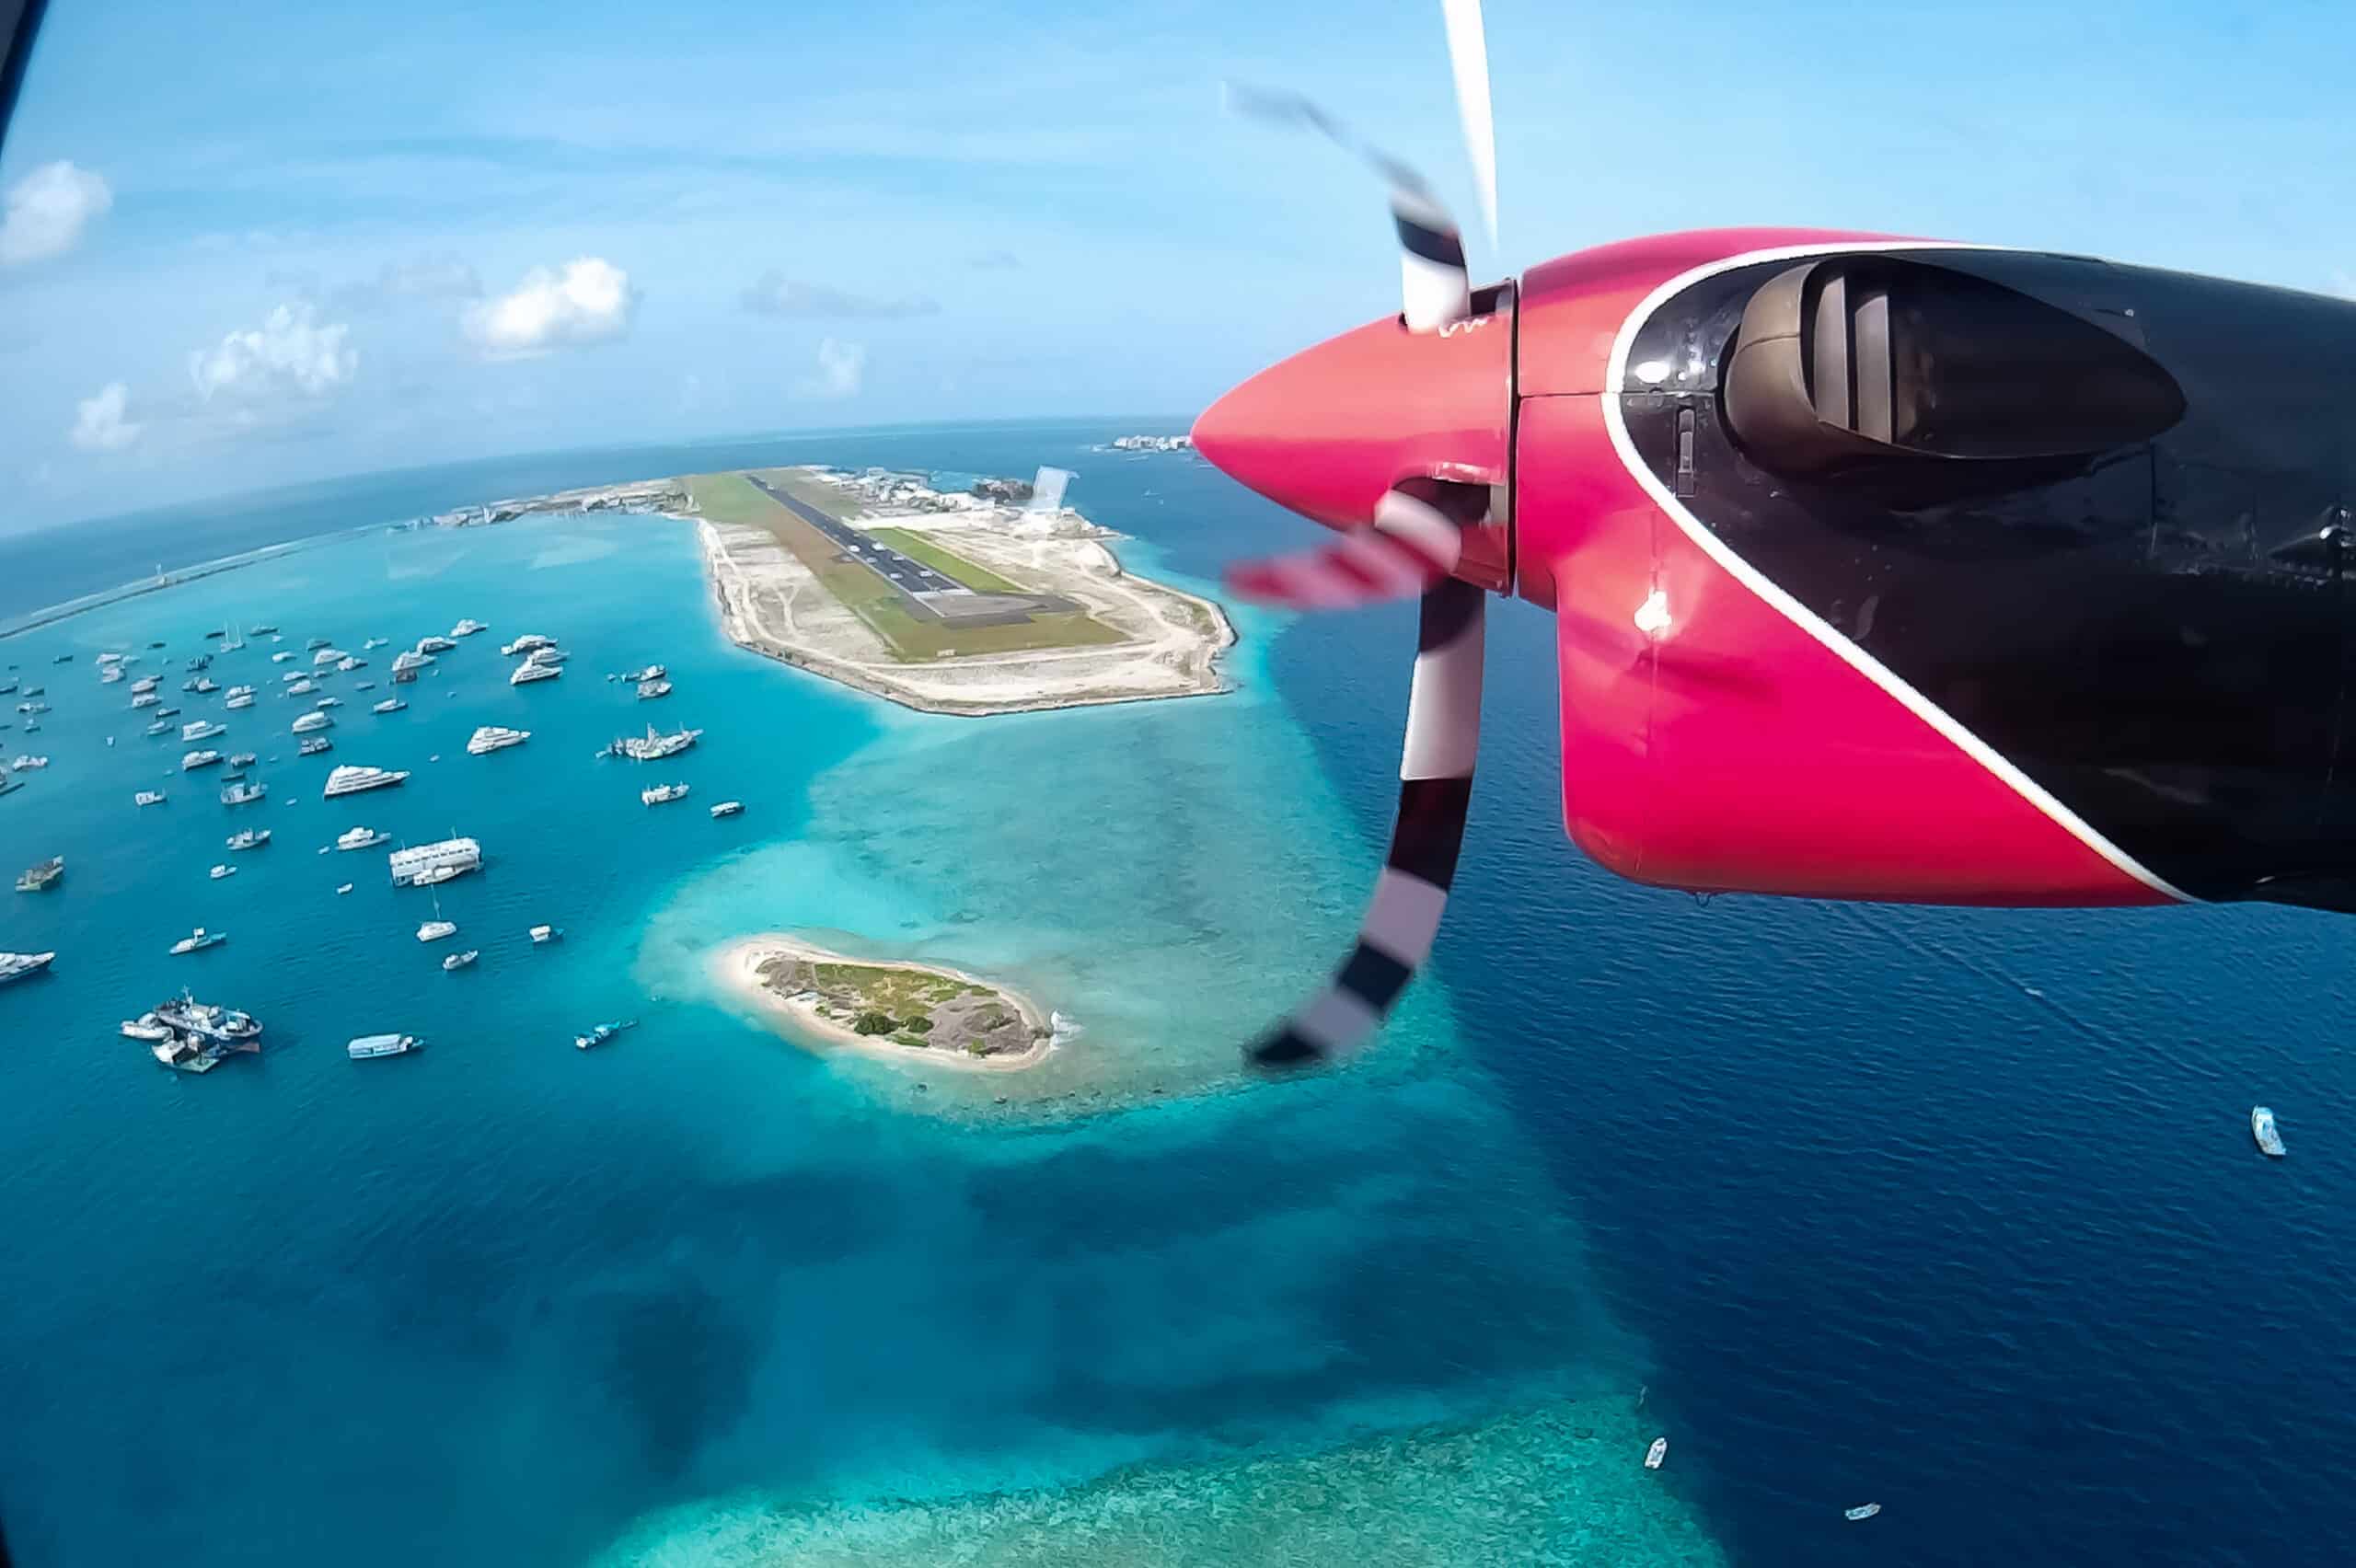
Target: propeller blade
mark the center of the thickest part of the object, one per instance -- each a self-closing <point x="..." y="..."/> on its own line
<point x="1468" y="56"/>
<point x="1435" y="285"/>
<point x="1434" y="793"/>
<point x="1411" y="545"/>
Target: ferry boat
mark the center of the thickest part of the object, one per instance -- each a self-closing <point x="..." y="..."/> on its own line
<point x="425" y="864"/>
<point x="435" y="930"/>
<point x="203" y="729"/>
<point x="496" y="737"/>
<point x="468" y="628"/>
<point x="243" y="792"/>
<point x="529" y="671"/>
<point x="312" y="745"/>
<point x="527" y="644"/>
<point x="2261" y="1127"/>
<point x="430" y="644"/>
<point x="652" y="747"/>
<point x="249" y="838"/>
<point x="15" y="966"/>
<point x="1862" y="1511"/>
<point x="460" y="959"/>
<point x="390" y="705"/>
<point x="368" y="1046"/>
<point x="224" y="870"/>
<point x="543" y="935"/>
<point x="602" y="1034"/>
<point x="661" y="793"/>
<point x="361" y="838"/>
<point x="727" y="808"/>
<point x="239" y="696"/>
<point x="198" y="941"/>
<point x="41" y="878"/>
<point x="648" y="689"/>
<point x="351" y="780"/>
<point x="314" y="719"/>
<point x="1658" y="1452"/>
<point x="197" y="759"/>
<point x="148" y="798"/>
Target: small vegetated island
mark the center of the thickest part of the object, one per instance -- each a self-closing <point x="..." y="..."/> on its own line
<point x="911" y="1011"/>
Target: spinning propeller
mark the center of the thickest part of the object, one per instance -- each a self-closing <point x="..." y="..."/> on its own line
<point x="1412" y="541"/>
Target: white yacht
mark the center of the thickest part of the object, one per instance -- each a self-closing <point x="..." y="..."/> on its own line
<point x="435" y="930"/>
<point x="468" y="628"/>
<point x="525" y="644"/>
<point x="2261" y="1127"/>
<point x="390" y="705"/>
<point x="435" y="644"/>
<point x="314" y="719"/>
<point x="351" y="780"/>
<point x="652" y="747"/>
<point x="361" y="838"/>
<point x="347" y="663"/>
<point x="326" y="656"/>
<point x="312" y="745"/>
<point x="148" y="798"/>
<point x="374" y="642"/>
<point x="17" y="966"/>
<point x="239" y="696"/>
<point x="370" y="1045"/>
<point x="496" y="737"/>
<point x="30" y="764"/>
<point x="203" y="684"/>
<point x="146" y="1026"/>
<point x="198" y="939"/>
<point x="203" y="729"/>
<point x="1658" y="1452"/>
<point x="653" y="688"/>
<point x="160" y="727"/>
<point x="543" y="935"/>
<point x="329" y="702"/>
<point x="651" y="673"/>
<point x="528" y="672"/>
<point x="243" y="790"/>
<point x="145" y="700"/>
<point x="281" y="656"/>
<point x="661" y="792"/>
<point x="551" y="654"/>
<point x="425" y="864"/>
<point x="728" y="808"/>
<point x="144" y="684"/>
<point x="249" y="838"/>
<point x="197" y="759"/>
<point x="223" y="870"/>
<point x="460" y="959"/>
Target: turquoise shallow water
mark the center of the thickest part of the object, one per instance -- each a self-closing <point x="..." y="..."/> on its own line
<point x="505" y="1302"/>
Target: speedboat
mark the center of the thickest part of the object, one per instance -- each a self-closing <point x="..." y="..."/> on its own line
<point x="1658" y="1452"/>
<point x="249" y="838"/>
<point x="345" y="888"/>
<point x="361" y="838"/>
<point x="145" y="1027"/>
<point x="460" y="959"/>
<point x="390" y="705"/>
<point x="1862" y="1511"/>
<point x="198" y="939"/>
<point x="602" y="1034"/>
<point x="148" y="798"/>
<point x="2261" y="1127"/>
<point x="727" y="808"/>
<point x="222" y="871"/>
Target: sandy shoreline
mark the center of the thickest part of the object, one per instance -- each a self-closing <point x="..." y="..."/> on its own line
<point x="737" y="969"/>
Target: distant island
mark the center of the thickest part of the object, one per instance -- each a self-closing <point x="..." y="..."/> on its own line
<point x="904" y="1011"/>
<point x="1153" y="443"/>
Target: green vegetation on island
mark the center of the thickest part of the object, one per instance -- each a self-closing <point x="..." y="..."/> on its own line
<point x="904" y="1005"/>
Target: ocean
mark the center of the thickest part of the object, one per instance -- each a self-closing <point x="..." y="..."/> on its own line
<point x="1952" y="1211"/>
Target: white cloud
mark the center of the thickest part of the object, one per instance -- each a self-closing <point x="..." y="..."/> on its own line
<point x="48" y="210"/>
<point x="590" y="301"/>
<point x="291" y="352"/>
<point x="841" y="367"/>
<point x="98" y="424"/>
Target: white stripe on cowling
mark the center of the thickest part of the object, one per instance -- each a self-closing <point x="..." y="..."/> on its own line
<point x="1444" y="706"/>
<point x="1404" y="918"/>
<point x="1433" y="294"/>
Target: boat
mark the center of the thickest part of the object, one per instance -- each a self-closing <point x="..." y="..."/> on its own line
<point x="432" y="644"/>
<point x="205" y="685"/>
<point x="30" y="764"/>
<point x="460" y="959"/>
<point x="108" y="675"/>
<point x="160" y="713"/>
<point x="8" y="687"/>
<point x="203" y="729"/>
<point x="148" y="798"/>
<point x="291" y="676"/>
<point x="727" y="808"/>
<point x="326" y="703"/>
<point x="239" y="696"/>
<point x="198" y="941"/>
<point x="343" y="887"/>
<point x="241" y="759"/>
<point x="543" y="935"/>
<point x="326" y="656"/>
<point x="43" y="877"/>
<point x="160" y="727"/>
<point x="182" y="1053"/>
<point x="222" y="870"/>
<point x="303" y="687"/>
<point x="435" y="930"/>
<point x="312" y="745"/>
<point x="367" y="1047"/>
<point x="651" y="673"/>
<point x="9" y="785"/>
<point x="249" y="838"/>
<point x="375" y="642"/>
<point x="652" y="747"/>
<point x="197" y="759"/>
<point x="188" y="685"/>
<point x="602" y="1034"/>
<point x="660" y="793"/>
<point x="222" y="632"/>
<point x="468" y="628"/>
<point x="314" y="719"/>
<point x="1658" y="1452"/>
<point x="1862" y="1511"/>
<point x="361" y="838"/>
<point x="648" y="689"/>
<point x="529" y="671"/>
<point x="243" y="792"/>
<point x="527" y="644"/>
<point x="262" y="629"/>
<point x="496" y="737"/>
<point x="144" y="683"/>
<point x="390" y="705"/>
<point x="351" y="780"/>
<point x="551" y="654"/>
<point x="364" y="686"/>
<point x="43" y="706"/>
<point x="16" y="966"/>
<point x="145" y="1027"/>
<point x="63" y="659"/>
<point x="316" y="643"/>
<point x="2261" y="1127"/>
<point x="349" y="663"/>
<point x="407" y="661"/>
<point x="425" y="864"/>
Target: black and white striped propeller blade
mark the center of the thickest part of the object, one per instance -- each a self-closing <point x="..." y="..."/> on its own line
<point x="1434" y="793"/>
<point x="1435" y="284"/>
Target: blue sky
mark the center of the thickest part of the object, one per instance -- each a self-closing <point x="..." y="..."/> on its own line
<point x="296" y="241"/>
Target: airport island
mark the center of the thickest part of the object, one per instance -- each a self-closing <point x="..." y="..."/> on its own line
<point x="986" y="601"/>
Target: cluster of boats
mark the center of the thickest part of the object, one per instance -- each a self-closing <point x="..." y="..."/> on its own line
<point x="191" y="1036"/>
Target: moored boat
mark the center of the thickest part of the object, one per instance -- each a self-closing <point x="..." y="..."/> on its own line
<point x="2262" y="1128"/>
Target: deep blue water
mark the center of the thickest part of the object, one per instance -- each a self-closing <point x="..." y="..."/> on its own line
<point x="1868" y="1218"/>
